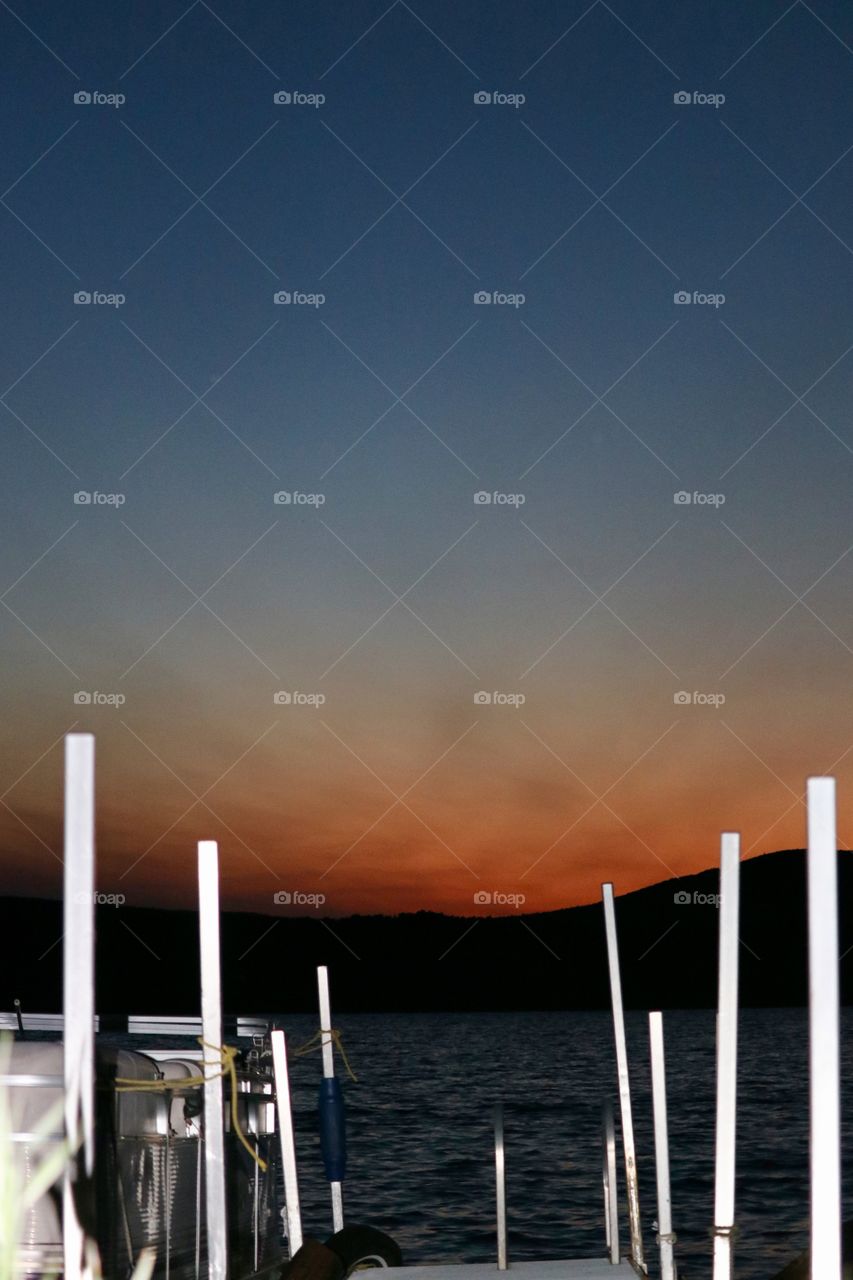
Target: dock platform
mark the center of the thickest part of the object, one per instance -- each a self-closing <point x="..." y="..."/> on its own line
<point x="569" y="1269"/>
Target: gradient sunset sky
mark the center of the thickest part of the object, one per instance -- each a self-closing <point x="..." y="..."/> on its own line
<point x="582" y="387"/>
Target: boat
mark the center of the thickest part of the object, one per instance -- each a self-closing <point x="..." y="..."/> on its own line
<point x="181" y="1164"/>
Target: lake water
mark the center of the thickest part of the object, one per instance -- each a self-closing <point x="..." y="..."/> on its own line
<point x="421" y="1161"/>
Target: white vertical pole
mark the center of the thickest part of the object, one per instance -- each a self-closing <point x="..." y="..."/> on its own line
<point x="666" y="1236"/>
<point x="727" y="1011"/>
<point x="78" y="993"/>
<point x="211" y="1027"/>
<point x="500" y="1186"/>
<point x="624" y="1083"/>
<point x="611" y="1199"/>
<point x="823" y="1032"/>
<point x="288" y="1145"/>
<point x="327" y="1047"/>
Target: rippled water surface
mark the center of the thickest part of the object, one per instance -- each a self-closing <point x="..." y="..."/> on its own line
<point x="420" y="1137"/>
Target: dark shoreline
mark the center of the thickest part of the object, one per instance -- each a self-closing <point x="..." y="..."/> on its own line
<point x="147" y="958"/>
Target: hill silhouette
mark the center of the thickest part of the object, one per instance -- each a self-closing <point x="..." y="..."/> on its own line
<point x="147" y="959"/>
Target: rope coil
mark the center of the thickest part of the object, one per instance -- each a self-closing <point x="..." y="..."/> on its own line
<point x="226" y="1064"/>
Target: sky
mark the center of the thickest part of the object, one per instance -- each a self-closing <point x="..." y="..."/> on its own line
<point x="426" y="443"/>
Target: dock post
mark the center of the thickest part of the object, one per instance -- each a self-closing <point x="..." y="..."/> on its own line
<point x="666" y="1235"/>
<point x="727" y="1010"/>
<point x="824" y="1069"/>
<point x="327" y="1045"/>
<point x="211" y="1028"/>
<point x="288" y="1146"/>
<point x="608" y="1177"/>
<point x="624" y="1083"/>
<point x="78" y="984"/>
<point x="500" y="1186"/>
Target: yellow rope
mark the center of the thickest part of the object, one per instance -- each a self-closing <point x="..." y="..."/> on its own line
<point x="316" y="1042"/>
<point x="227" y="1054"/>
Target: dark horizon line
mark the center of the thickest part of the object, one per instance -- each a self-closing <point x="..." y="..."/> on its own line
<point x="421" y="911"/>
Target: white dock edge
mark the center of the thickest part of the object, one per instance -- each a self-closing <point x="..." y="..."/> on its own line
<point x="288" y="1146"/>
<point x="824" y="1069"/>
<point x="666" y="1235"/>
<point x="624" y="1082"/>
<point x="608" y="1177"/>
<point x="727" y="1011"/>
<point x="78" y="995"/>
<point x="211" y="1018"/>
<point x="500" y="1186"/>
<point x="328" y="1051"/>
<point x="569" y="1269"/>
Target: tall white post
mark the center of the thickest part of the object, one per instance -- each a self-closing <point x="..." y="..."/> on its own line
<point x="624" y="1083"/>
<point x="78" y="984"/>
<point x="327" y="1047"/>
<point x="823" y="1032"/>
<point x="288" y="1145"/>
<point x="611" y="1199"/>
<point x="727" y="1012"/>
<point x="500" y="1187"/>
<point x="666" y="1236"/>
<point x="211" y="1027"/>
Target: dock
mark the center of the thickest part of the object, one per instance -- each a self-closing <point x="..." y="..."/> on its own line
<point x="574" y="1269"/>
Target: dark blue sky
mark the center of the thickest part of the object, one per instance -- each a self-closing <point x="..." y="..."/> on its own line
<point x="396" y="398"/>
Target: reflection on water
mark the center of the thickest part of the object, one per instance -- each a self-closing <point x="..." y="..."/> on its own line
<point x="420" y="1131"/>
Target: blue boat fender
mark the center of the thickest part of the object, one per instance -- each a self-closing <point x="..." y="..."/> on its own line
<point x="333" y="1136"/>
